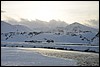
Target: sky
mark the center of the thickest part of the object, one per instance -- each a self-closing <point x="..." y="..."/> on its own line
<point x="69" y="11"/>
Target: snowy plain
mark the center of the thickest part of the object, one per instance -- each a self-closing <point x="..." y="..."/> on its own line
<point x="75" y="37"/>
<point x="65" y="46"/>
<point x="19" y="57"/>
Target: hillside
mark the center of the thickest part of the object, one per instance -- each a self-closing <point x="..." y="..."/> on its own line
<point x="78" y="28"/>
<point x="6" y="27"/>
<point x="73" y="33"/>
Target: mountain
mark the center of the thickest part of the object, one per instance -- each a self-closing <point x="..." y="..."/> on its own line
<point x="78" y="28"/>
<point x="73" y="33"/>
<point x="95" y="39"/>
<point x="6" y="27"/>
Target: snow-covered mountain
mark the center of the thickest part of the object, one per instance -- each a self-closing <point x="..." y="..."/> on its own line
<point x="6" y="27"/>
<point x="73" y="33"/>
<point x="78" y="28"/>
<point x="75" y="28"/>
<point x="95" y="39"/>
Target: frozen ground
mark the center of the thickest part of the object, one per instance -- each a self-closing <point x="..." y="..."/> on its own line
<point x="12" y="56"/>
<point x="66" y="46"/>
<point x="83" y="58"/>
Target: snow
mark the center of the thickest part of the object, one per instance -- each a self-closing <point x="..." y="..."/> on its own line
<point x="84" y="58"/>
<point x="66" y="36"/>
<point x="18" y="57"/>
<point x="6" y="27"/>
<point x="66" y="46"/>
<point x="56" y="38"/>
<point x="96" y="41"/>
<point x="79" y="27"/>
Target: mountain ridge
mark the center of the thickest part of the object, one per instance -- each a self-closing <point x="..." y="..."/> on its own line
<point x="7" y="27"/>
<point x="77" y="27"/>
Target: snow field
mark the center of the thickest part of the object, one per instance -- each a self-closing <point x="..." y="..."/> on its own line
<point x="52" y="45"/>
<point x="83" y="58"/>
<point x="19" y="57"/>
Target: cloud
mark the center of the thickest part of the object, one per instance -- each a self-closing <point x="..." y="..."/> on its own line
<point x="11" y="20"/>
<point x="93" y="22"/>
<point x="38" y="24"/>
